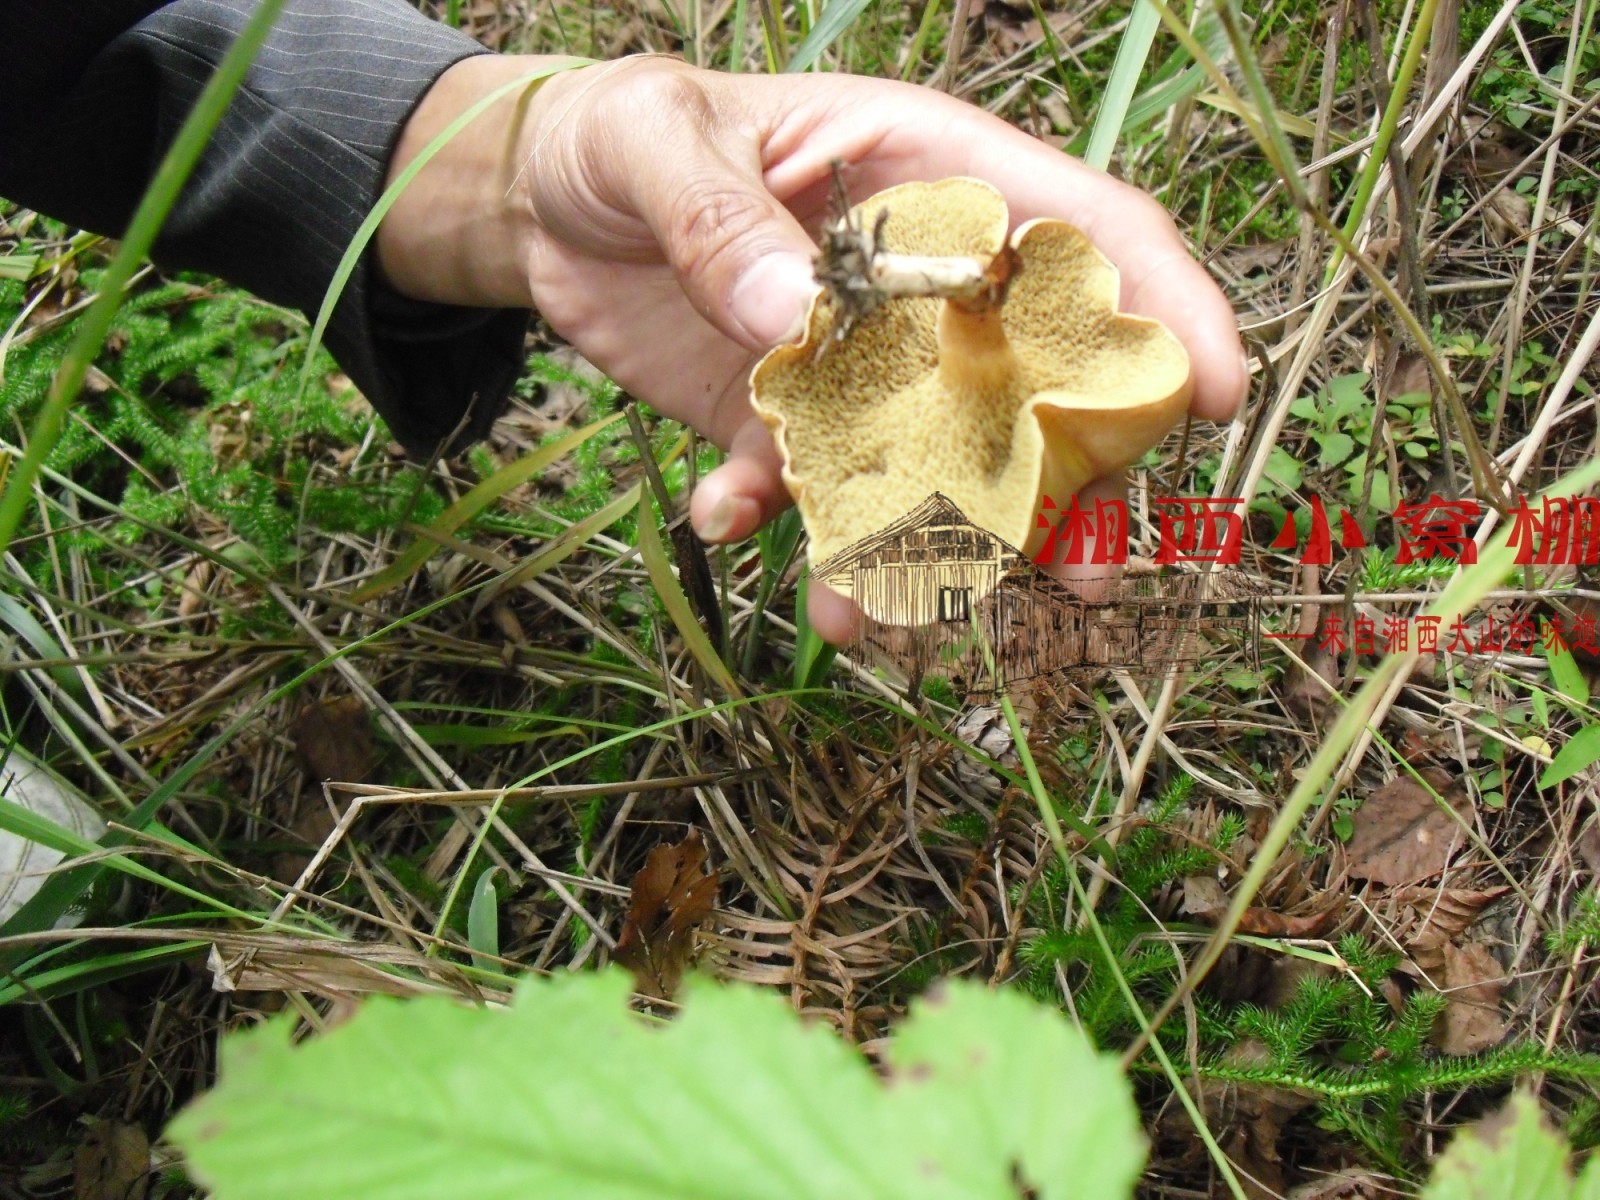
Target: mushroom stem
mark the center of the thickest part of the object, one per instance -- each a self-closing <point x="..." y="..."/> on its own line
<point x="974" y="355"/>
<point x="954" y="277"/>
<point x="973" y="284"/>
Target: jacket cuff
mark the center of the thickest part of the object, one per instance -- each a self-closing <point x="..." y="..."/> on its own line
<point x="294" y="168"/>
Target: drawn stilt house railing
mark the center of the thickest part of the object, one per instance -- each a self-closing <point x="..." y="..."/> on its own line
<point x="962" y="599"/>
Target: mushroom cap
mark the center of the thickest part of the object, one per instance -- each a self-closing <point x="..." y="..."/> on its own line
<point x="870" y="426"/>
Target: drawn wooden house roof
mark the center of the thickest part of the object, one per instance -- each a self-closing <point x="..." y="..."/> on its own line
<point x="937" y="512"/>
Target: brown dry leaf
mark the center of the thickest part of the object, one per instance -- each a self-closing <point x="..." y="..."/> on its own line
<point x="1508" y="216"/>
<point x="1345" y="1185"/>
<point x="1263" y="922"/>
<point x="1490" y="150"/>
<point x="1411" y="376"/>
<point x="192" y="597"/>
<point x="1204" y="898"/>
<point x="1248" y="1119"/>
<point x="1473" y="981"/>
<point x="672" y="896"/>
<point x="1309" y="690"/>
<point x="112" y="1163"/>
<point x="1587" y="844"/>
<point x="1437" y="916"/>
<point x="1401" y="835"/>
<point x="334" y="740"/>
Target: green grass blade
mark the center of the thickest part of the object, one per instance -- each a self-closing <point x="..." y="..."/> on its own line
<point x="28" y="825"/>
<point x="513" y="475"/>
<point x="1132" y="51"/>
<point x="483" y="920"/>
<point x="1464" y="593"/>
<point x="1579" y="754"/>
<point x="1565" y="674"/>
<point x="835" y="19"/>
<point x="102" y="969"/>
<point x="741" y="19"/>
<point x="63" y="889"/>
<point x="20" y="267"/>
<point x="158" y="199"/>
<point x="654" y="554"/>
<point x="1377" y="159"/>
<point x="812" y="655"/>
<point x="26" y="626"/>
<point x="563" y="546"/>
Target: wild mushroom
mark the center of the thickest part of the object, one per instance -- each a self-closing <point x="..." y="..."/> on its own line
<point x="1027" y="387"/>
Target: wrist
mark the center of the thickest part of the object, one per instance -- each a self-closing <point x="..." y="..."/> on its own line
<point x="460" y="232"/>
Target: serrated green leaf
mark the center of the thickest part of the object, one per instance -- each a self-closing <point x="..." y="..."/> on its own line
<point x="1283" y="469"/>
<point x="1347" y="394"/>
<point x="1520" y="1159"/>
<point x="994" y="1065"/>
<point x="1335" y="448"/>
<point x="1581" y="752"/>
<point x="568" y="1094"/>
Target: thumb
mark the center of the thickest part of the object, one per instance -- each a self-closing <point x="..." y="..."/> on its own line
<point x="740" y="256"/>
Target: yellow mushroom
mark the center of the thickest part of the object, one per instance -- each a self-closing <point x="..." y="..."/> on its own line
<point x="996" y="405"/>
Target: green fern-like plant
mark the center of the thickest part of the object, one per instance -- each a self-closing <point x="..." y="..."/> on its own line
<point x="198" y="410"/>
<point x="1341" y="1042"/>
<point x="1149" y="859"/>
<point x="1337" y="1039"/>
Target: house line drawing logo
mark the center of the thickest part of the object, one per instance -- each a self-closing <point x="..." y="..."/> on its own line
<point x="940" y="591"/>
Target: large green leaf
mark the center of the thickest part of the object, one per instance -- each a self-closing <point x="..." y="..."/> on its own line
<point x="1515" y="1156"/>
<point x="1580" y="753"/>
<point x="568" y="1094"/>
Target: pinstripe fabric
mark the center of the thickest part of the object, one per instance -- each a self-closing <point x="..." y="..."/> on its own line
<point x="93" y="94"/>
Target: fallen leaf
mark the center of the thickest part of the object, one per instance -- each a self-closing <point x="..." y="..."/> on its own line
<point x="1473" y="981"/>
<point x="1346" y="1185"/>
<point x="1428" y="918"/>
<point x="112" y="1163"/>
<point x="334" y="740"/>
<point x="1263" y="922"/>
<point x="1204" y="897"/>
<point x="672" y="896"/>
<point x="1411" y="375"/>
<point x="1248" y="1119"/>
<point x="1587" y="843"/>
<point x="1401" y="834"/>
<point x="1508" y="216"/>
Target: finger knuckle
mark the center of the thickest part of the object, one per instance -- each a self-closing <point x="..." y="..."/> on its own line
<point x="708" y="222"/>
<point x="662" y="92"/>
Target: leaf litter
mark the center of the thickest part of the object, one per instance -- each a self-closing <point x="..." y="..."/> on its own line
<point x="671" y="898"/>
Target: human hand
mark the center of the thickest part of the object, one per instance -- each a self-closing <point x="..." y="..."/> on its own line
<point x="663" y="220"/>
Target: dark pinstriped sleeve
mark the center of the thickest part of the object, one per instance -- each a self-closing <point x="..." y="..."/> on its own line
<point x="292" y="170"/>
